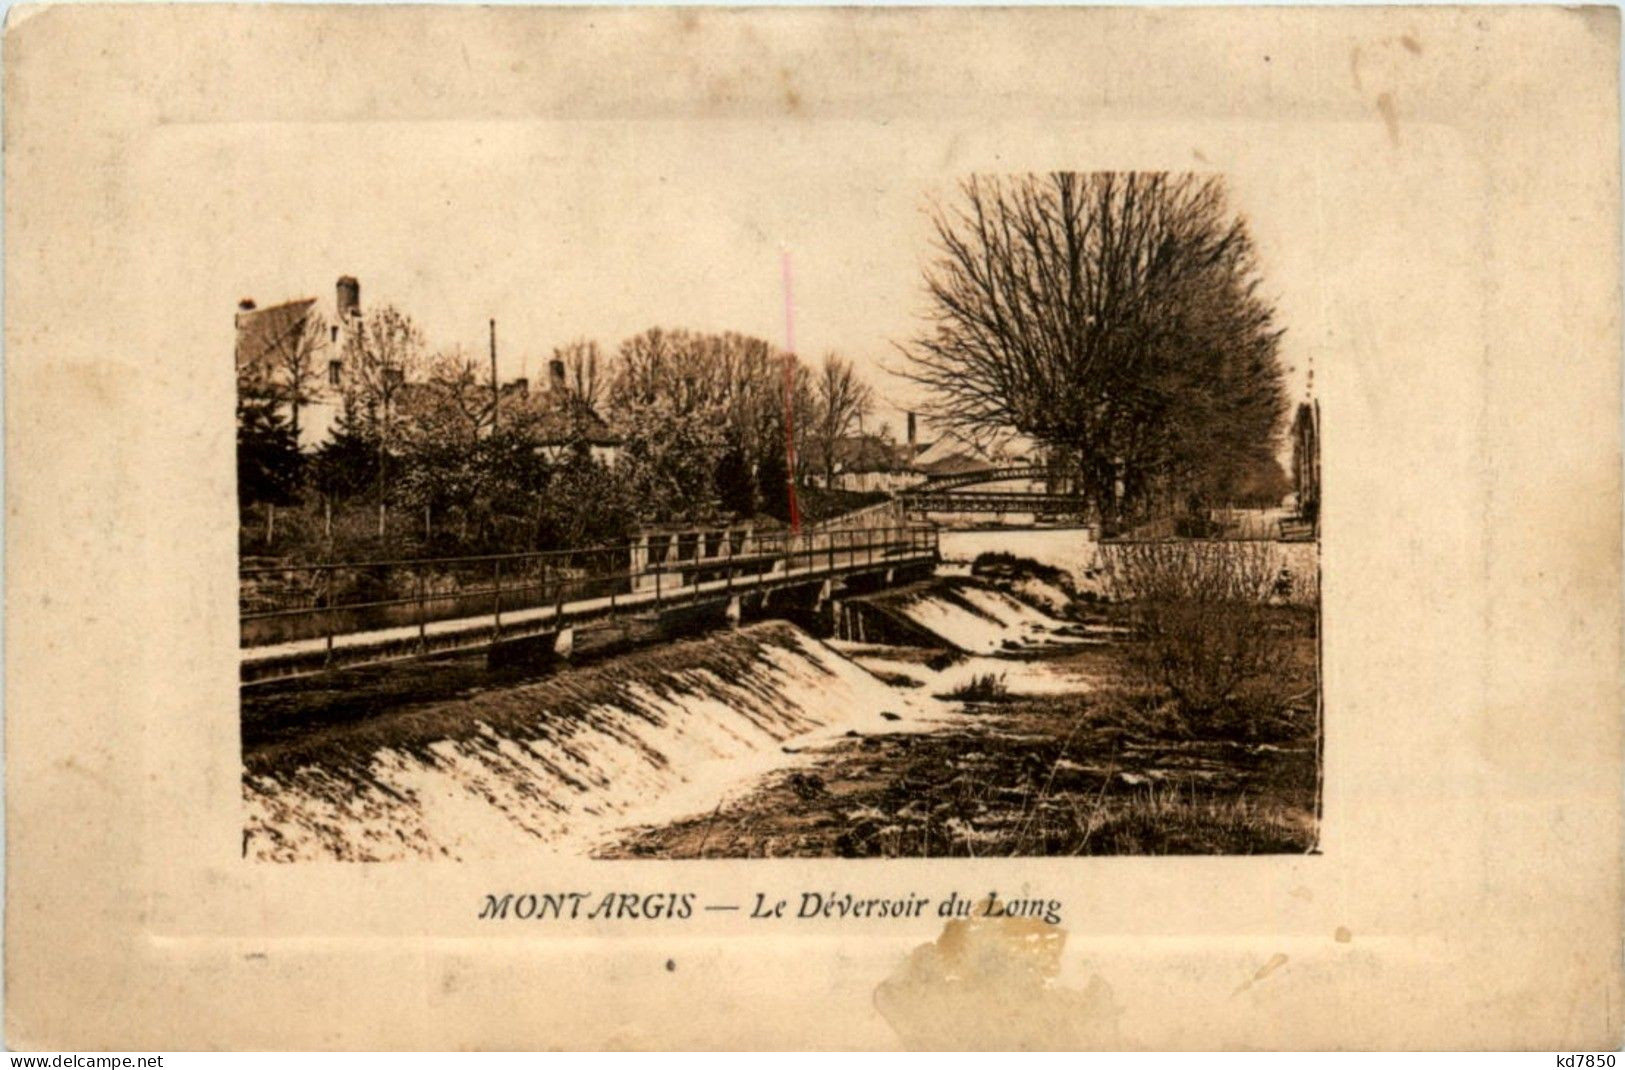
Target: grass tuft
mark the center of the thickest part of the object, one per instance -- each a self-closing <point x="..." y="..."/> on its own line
<point x="983" y="687"/>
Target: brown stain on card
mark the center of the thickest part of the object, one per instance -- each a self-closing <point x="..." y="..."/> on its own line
<point x="1276" y="961"/>
<point x="990" y="983"/>
<point x="1390" y="117"/>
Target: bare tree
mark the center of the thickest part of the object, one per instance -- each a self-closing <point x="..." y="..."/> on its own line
<point x="1114" y="317"/>
<point x="455" y="403"/>
<point x="841" y="401"/>
<point x="675" y="367"/>
<point x="717" y="394"/>
<point x="389" y="355"/>
<point x="585" y="371"/>
<point x="292" y="357"/>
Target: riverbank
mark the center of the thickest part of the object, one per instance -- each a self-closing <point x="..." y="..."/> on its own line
<point x="1087" y="765"/>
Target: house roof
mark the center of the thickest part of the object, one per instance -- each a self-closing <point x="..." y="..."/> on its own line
<point x="953" y="464"/>
<point x="561" y="418"/>
<point x="869" y="453"/>
<point x="261" y="331"/>
<point x="951" y="455"/>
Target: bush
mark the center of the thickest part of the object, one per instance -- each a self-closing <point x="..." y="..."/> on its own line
<point x="820" y="504"/>
<point x="984" y="687"/>
<point x="1003" y="565"/>
<point x="1200" y="616"/>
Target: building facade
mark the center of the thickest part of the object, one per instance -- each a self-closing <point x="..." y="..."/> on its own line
<point x="301" y="353"/>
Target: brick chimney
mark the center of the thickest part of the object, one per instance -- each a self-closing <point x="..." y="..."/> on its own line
<point x="348" y="298"/>
<point x="555" y="375"/>
<point x="911" y="432"/>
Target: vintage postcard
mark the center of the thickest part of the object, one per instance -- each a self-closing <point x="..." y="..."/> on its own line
<point x="812" y="528"/>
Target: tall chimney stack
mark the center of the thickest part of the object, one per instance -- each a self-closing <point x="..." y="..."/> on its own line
<point x="911" y="432"/>
<point x="349" y="298"/>
<point x="555" y="374"/>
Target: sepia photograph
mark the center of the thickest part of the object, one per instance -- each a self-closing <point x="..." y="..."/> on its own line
<point x="802" y="528"/>
<point x="1026" y="565"/>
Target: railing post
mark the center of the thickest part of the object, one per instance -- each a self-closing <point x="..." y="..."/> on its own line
<point x="423" y="627"/>
<point x="496" y="568"/>
<point x="327" y="662"/>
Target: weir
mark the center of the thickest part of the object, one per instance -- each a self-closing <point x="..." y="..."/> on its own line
<point x="568" y="761"/>
<point x="952" y="612"/>
<point x="560" y="760"/>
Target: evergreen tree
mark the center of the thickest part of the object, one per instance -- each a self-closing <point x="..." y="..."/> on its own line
<point x="772" y="477"/>
<point x="736" y="487"/>
<point x="268" y="459"/>
<point x="346" y="465"/>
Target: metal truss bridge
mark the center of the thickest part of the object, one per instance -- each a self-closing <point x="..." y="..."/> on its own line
<point x="946" y="494"/>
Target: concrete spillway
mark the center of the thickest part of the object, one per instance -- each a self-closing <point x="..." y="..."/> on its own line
<point x="557" y="764"/>
<point x="564" y="762"/>
<point x="958" y="614"/>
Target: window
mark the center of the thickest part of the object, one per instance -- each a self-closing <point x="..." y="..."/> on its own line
<point x="334" y="367"/>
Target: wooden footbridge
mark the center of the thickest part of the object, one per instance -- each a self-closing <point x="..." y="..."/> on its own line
<point x="302" y="619"/>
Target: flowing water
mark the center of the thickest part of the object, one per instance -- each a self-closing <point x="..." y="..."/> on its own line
<point x="561" y="763"/>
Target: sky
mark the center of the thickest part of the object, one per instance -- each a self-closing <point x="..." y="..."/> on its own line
<point x="601" y="229"/>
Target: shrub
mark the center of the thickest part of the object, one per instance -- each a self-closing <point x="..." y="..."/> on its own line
<point x="1003" y="565"/>
<point x="983" y="687"/>
<point x="1200" y="618"/>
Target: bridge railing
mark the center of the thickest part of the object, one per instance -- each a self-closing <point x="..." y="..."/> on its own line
<point x="286" y="603"/>
<point x="1002" y="474"/>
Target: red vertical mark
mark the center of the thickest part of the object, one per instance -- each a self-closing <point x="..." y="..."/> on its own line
<point x="789" y="397"/>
